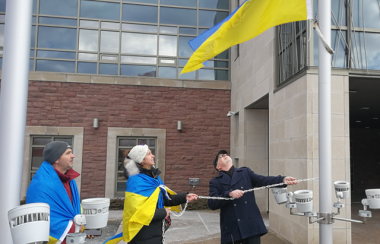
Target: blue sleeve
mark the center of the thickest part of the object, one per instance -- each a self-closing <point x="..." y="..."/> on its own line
<point x="214" y="192"/>
<point x="260" y="180"/>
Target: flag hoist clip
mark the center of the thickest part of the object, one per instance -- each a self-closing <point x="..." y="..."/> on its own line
<point x="304" y="203"/>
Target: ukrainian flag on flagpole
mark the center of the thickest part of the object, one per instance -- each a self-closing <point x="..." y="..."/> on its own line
<point x="143" y="195"/>
<point x="251" y="19"/>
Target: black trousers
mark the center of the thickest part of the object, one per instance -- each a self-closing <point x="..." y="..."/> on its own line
<point x="249" y="240"/>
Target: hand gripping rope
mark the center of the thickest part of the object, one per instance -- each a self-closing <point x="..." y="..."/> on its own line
<point x="225" y="198"/>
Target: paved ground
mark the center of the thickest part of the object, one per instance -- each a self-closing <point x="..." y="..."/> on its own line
<point x="203" y="227"/>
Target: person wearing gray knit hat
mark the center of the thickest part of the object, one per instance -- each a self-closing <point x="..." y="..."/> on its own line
<point x="54" y="151"/>
<point x="138" y="153"/>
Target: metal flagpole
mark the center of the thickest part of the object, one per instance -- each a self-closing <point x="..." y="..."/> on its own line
<point x="324" y="117"/>
<point x="13" y="105"/>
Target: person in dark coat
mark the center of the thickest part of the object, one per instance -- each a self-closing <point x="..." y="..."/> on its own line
<point x="240" y="219"/>
<point x="140" y="160"/>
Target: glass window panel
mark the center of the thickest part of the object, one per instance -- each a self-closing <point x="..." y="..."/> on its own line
<point x="88" y="40"/>
<point x="142" y="28"/>
<point x="216" y="4"/>
<point x="57" y="37"/>
<point x="120" y="175"/>
<point x="200" y="31"/>
<point x="55" y="66"/>
<point x="2" y="17"/>
<point x="68" y="140"/>
<point x="89" y="23"/>
<point x="210" y="74"/>
<point x="139" y="43"/>
<point x="109" y="41"/>
<point x="210" y="18"/>
<point x="167" y="29"/>
<point x="167" y="61"/>
<point x="187" y="31"/>
<point x="110" y="25"/>
<point x="217" y="64"/>
<point x="152" y="143"/>
<point x="34" y="18"/>
<point x="127" y="142"/>
<point x="142" y="1"/>
<point x="142" y="142"/>
<point x="86" y="67"/>
<point x="87" y="56"/>
<point x="178" y="16"/>
<point x="339" y="58"/>
<point x="138" y="60"/>
<point x="153" y="151"/>
<point x="167" y="72"/>
<point x="31" y="65"/>
<point x="371" y="12"/>
<point x="59" y="7"/>
<point x="100" y="10"/>
<point x="140" y="13"/>
<point x="108" y="69"/>
<point x="55" y="54"/>
<point x="136" y="70"/>
<point x="121" y="186"/>
<point x="223" y="55"/>
<point x="109" y="57"/>
<point x="184" y="49"/>
<point x="34" y="10"/>
<point x="2" y="35"/>
<point x="37" y="157"/>
<point x="41" y="140"/>
<point x="190" y="75"/>
<point x="2" y="5"/>
<point x="168" y="46"/>
<point x="57" y="21"/>
<point x="372" y="41"/>
<point x="338" y="7"/>
<point x="186" y="3"/>
<point x="33" y="37"/>
<point x="31" y="53"/>
<point x="182" y="61"/>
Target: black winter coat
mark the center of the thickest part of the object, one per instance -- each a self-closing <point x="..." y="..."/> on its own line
<point x="240" y="218"/>
<point x="152" y="234"/>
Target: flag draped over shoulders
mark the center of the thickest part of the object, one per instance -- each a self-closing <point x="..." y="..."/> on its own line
<point x="142" y="196"/>
<point x="248" y="21"/>
<point x="47" y="187"/>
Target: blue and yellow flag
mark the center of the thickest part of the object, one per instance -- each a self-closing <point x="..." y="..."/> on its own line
<point x="46" y="187"/>
<point x="252" y="18"/>
<point x="142" y="195"/>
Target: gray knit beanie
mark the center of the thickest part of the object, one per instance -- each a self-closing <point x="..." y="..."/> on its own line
<point x="138" y="153"/>
<point x="54" y="150"/>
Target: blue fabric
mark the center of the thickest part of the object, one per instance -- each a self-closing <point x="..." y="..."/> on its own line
<point x="145" y="185"/>
<point x="47" y="187"/>
<point x="240" y="218"/>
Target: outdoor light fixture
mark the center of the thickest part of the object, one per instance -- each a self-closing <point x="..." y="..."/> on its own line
<point x="30" y="223"/>
<point x="95" y="123"/>
<point x="95" y="216"/>
<point x="304" y="200"/>
<point x="373" y="198"/>
<point x="179" y="125"/>
<point x="342" y="189"/>
<point x="230" y="113"/>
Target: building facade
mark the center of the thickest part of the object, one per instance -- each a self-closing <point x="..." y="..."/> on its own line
<point x="119" y="62"/>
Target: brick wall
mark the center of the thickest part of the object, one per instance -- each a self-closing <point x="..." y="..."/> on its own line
<point x="189" y="153"/>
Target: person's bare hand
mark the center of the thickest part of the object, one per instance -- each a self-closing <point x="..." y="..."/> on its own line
<point x="290" y="180"/>
<point x="236" y="194"/>
<point x="191" y="197"/>
<point x="167" y="212"/>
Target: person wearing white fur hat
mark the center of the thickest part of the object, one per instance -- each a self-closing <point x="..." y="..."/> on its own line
<point x="145" y="198"/>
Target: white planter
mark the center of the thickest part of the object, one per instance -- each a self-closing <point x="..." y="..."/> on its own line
<point x="304" y="200"/>
<point x="96" y="211"/>
<point x="343" y="187"/>
<point x="373" y="198"/>
<point x="280" y="195"/>
<point x="30" y="223"/>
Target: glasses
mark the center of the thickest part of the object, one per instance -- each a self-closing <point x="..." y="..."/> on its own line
<point x="222" y="155"/>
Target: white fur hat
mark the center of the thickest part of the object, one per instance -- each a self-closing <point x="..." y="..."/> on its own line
<point x="138" y="153"/>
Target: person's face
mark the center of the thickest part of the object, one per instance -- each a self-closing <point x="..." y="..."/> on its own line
<point x="148" y="161"/>
<point x="66" y="161"/>
<point x="224" y="162"/>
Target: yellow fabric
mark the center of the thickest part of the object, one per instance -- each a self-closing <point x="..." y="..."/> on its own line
<point x="177" y="208"/>
<point x="52" y="240"/>
<point x="253" y="18"/>
<point x="138" y="211"/>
